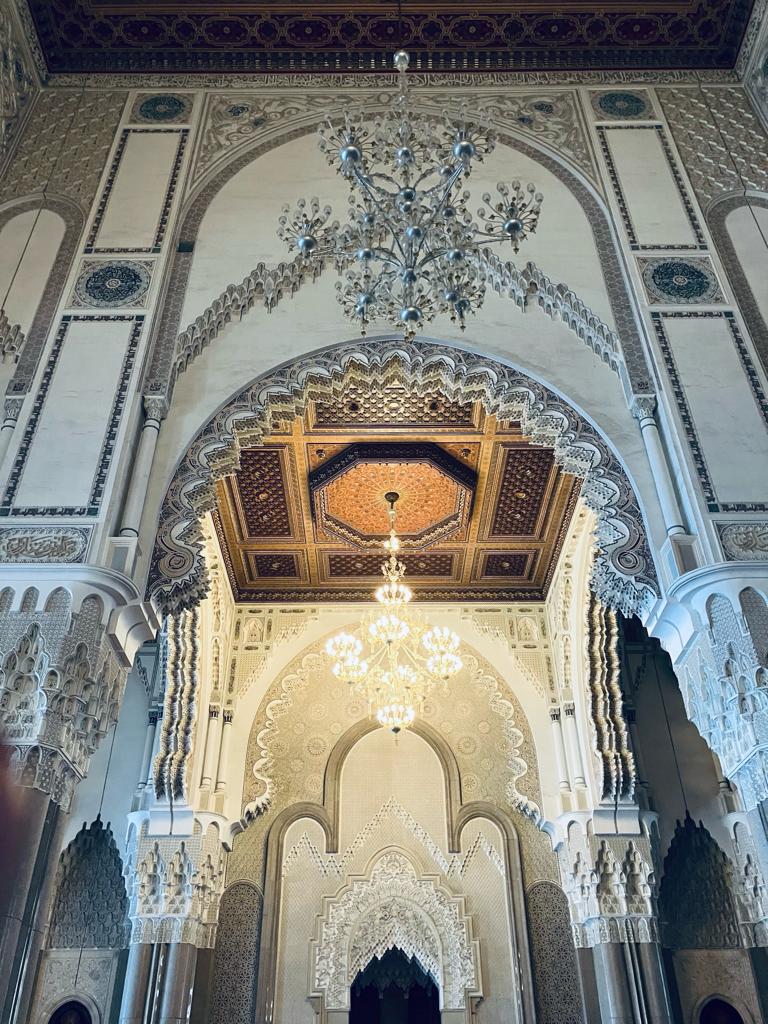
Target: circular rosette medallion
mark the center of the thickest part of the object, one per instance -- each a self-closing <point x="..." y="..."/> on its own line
<point x="108" y="285"/>
<point x="163" y="107"/>
<point x="622" y="104"/>
<point x="680" y="281"/>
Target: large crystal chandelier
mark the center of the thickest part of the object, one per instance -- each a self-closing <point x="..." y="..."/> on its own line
<point x="396" y="659"/>
<point x="411" y="249"/>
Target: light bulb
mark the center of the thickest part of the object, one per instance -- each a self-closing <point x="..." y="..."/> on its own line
<point x="343" y="646"/>
<point x="444" y="665"/>
<point x="440" y="640"/>
<point x="388" y="629"/>
<point x="395" y="716"/>
<point x="394" y="594"/>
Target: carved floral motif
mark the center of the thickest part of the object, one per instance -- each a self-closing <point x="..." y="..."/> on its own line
<point x="395" y="907"/>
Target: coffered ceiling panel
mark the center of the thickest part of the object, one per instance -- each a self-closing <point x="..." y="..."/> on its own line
<point x="482" y="513"/>
<point x="243" y="35"/>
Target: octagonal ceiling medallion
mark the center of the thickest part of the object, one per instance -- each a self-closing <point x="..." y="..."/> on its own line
<point x="435" y="491"/>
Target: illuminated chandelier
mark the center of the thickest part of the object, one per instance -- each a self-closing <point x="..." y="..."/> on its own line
<point x="397" y="659"/>
<point x="411" y="249"/>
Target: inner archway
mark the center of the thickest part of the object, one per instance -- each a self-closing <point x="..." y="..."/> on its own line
<point x="394" y="989"/>
<point x="718" y="1011"/>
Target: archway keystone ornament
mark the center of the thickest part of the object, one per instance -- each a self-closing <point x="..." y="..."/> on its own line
<point x="623" y="574"/>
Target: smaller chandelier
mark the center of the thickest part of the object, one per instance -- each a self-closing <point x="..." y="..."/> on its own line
<point x="411" y="248"/>
<point x="396" y="659"/>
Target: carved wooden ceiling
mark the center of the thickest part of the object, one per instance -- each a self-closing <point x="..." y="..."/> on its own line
<point x="482" y="514"/>
<point x="328" y="36"/>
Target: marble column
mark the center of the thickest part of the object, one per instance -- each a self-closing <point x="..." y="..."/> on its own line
<point x="560" y="758"/>
<point x="573" y="748"/>
<point x="616" y="1006"/>
<point x="138" y="480"/>
<point x="178" y="983"/>
<point x="643" y="409"/>
<point x="212" y="742"/>
<point x="136" y="985"/>
<point x="149" y="746"/>
<point x="655" y="992"/>
<point x="27" y="851"/>
<point x="12" y="411"/>
<point x="226" y="739"/>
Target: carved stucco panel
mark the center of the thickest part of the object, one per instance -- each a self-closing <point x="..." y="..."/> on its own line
<point x="392" y="906"/>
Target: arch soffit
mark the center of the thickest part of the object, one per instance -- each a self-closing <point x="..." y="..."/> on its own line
<point x="717" y="216"/>
<point x="74" y="221"/>
<point x="623" y="349"/>
<point x="623" y="574"/>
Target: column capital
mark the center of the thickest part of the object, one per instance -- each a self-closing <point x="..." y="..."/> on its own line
<point x="155" y="407"/>
<point x="176" y="885"/>
<point x="643" y="407"/>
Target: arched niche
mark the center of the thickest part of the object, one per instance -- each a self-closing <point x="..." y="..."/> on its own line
<point x="306" y="880"/>
<point x="38" y="240"/>
<point x="229" y="245"/>
<point x="739" y="226"/>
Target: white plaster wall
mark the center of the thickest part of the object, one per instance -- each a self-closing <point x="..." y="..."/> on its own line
<point x="653" y="200"/>
<point x="28" y="247"/>
<point x="118" y="760"/>
<point x="239" y="228"/>
<point x="748" y="229"/>
<point x="678" y="768"/>
<point x="136" y="202"/>
<point x="730" y="426"/>
<point x="403" y="768"/>
<point x="64" y="455"/>
<point x="484" y="881"/>
<point x="303" y="888"/>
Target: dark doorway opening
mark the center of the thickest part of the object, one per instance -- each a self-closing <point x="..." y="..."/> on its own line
<point x="71" y="1013"/>
<point x="717" y="1011"/>
<point x="394" y="990"/>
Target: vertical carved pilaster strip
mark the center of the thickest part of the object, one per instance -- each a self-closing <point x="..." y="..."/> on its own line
<point x="618" y="772"/>
<point x="161" y="769"/>
<point x="187" y="703"/>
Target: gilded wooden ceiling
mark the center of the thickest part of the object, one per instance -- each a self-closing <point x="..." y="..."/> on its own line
<point x="329" y="36"/>
<point x="482" y="513"/>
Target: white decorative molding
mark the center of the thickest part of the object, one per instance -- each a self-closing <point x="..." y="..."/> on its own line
<point x="611" y="886"/>
<point x="395" y="906"/>
<point x="174" y="885"/>
<point x="744" y="541"/>
<point x="35" y="544"/>
<point x="624" y="575"/>
<point x="336" y="865"/>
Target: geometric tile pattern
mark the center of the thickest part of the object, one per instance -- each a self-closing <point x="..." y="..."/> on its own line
<point x="213" y="36"/>
<point x="359" y="564"/>
<point x="525" y="477"/>
<point x="482" y="511"/>
<point x="261" y="492"/>
<point x="349" y="493"/>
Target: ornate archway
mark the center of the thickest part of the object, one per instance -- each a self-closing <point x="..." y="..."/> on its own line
<point x="624" y="576"/>
<point x="393" y="906"/>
